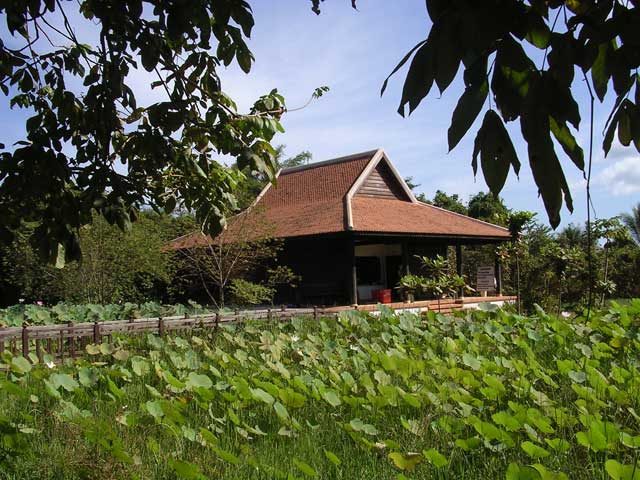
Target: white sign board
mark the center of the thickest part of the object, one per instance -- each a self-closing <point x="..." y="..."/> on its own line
<point x="486" y="279"/>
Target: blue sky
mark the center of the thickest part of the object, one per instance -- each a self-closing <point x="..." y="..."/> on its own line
<point x="352" y="52"/>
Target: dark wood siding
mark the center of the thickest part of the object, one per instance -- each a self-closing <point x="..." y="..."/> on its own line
<point x="323" y="265"/>
<point x="382" y="183"/>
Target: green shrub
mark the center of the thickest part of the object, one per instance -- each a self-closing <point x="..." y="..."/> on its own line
<point x="244" y="292"/>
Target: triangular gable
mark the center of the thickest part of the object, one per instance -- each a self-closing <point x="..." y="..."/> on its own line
<point x="381" y="183"/>
<point x="379" y="179"/>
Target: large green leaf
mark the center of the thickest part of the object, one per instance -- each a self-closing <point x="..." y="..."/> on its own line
<point x="496" y="151"/>
<point x="305" y="468"/>
<point x="435" y="458"/>
<point x="568" y="142"/>
<point x="511" y="78"/>
<point x="186" y="470"/>
<point x="466" y="111"/>
<point x="20" y="365"/>
<point x="619" y="471"/>
<point x="198" y="380"/>
<point x="600" y="71"/>
<point x="408" y="461"/>
<point x="446" y="53"/>
<point x="545" y="166"/>
<point x="64" y="380"/>
<point x="533" y="450"/>
<point x="420" y="77"/>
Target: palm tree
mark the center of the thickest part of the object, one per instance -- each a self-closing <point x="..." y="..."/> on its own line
<point x="632" y="222"/>
<point x="572" y="235"/>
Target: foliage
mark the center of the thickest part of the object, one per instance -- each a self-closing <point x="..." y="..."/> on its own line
<point x="437" y="282"/>
<point x="22" y="273"/>
<point x="632" y="222"/>
<point x="483" y="394"/>
<point x="409" y="285"/>
<point x="244" y="292"/>
<point x="117" y="266"/>
<point x="547" y="269"/>
<point x="449" y="202"/>
<point x="522" y="56"/>
<point x="488" y="207"/>
<point x="249" y="293"/>
<point x="85" y="116"/>
<point x="242" y="251"/>
<point x="30" y="314"/>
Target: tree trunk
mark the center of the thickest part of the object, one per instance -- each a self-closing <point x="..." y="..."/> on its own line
<point x="518" y="283"/>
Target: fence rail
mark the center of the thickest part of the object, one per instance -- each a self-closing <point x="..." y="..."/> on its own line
<point x="70" y="339"/>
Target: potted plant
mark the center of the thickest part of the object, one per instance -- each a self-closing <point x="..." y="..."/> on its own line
<point x="409" y="285"/>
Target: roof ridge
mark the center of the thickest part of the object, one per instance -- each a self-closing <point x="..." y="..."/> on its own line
<point x="465" y="216"/>
<point x="345" y="158"/>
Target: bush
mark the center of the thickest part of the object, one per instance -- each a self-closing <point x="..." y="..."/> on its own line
<point x="249" y="293"/>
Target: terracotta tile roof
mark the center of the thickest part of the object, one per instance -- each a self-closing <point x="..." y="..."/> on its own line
<point x="316" y="183"/>
<point x="396" y="216"/>
<point x="313" y="199"/>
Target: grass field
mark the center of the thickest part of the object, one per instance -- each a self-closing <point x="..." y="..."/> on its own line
<point x="487" y="394"/>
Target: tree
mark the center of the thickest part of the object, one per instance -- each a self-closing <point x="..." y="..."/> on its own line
<point x="496" y="42"/>
<point x="246" y="247"/>
<point x="22" y="275"/>
<point x="91" y="147"/>
<point x="118" y="266"/>
<point x="448" y="202"/>
<point x="302" y="158"/>
<point x="488" y="207"/>
<point x="632" y="222"/>
<point x="613" y="234"/>
<point x="572" y="236"/>
<point x="517" y="222"/>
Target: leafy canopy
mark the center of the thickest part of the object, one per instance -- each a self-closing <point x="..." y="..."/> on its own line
<point x="522" y="56"/>
<point x="92" y="146"/>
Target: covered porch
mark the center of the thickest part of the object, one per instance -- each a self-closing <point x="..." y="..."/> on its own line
<point x="344" y="269"/>
<point x="377" y="262"/>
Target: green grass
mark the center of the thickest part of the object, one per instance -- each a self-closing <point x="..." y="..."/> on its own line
<point x="487" y="394"/>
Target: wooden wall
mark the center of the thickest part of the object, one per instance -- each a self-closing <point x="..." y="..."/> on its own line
<point x="382" y="183"/>
<point x="324" y="265"/>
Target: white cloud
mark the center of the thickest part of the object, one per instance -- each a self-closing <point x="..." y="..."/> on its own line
<point x="622" y="177"/>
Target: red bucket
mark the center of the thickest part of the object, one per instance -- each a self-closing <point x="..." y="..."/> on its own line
<point x="382" y="296"/>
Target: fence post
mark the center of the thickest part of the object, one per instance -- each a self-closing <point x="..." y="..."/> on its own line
<point x="1" y="347"/>
<point x="72" y="341"/>
<point x="315" y="312"/>
<point x="268" y="314"/>
<point x="283" y="308"/>
<point x="96" y="332"/>
<point x="25" y="341"/>
<point x="161" y="326"/>
<point x="38" y="349"/>
<point x="61" y="343"/>
<point x="217" y="321"/>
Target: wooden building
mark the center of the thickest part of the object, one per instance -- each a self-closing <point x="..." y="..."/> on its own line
<point x="351" y="225"/>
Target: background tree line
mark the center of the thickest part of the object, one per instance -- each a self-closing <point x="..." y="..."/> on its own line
<point x="551" y="268"/>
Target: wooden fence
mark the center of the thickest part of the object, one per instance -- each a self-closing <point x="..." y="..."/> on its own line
<point x="70" y="340"/>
